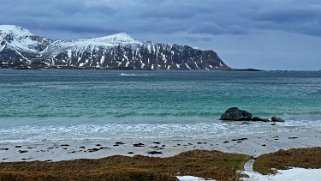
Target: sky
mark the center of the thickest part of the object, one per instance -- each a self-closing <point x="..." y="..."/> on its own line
<point x="262" y="34"/>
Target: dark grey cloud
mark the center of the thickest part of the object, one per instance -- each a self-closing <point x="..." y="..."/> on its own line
<point x="99" y="17"/>
<point x="304" y="19"/>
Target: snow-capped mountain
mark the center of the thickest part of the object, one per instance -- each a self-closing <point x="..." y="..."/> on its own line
<point x="19" y="47"/>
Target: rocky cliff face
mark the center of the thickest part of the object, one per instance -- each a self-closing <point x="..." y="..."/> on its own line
<point x="19" y="47"/>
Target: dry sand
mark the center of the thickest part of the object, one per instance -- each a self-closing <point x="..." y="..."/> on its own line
<point x="250" y="144"/>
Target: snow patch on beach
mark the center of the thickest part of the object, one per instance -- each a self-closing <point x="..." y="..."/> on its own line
<point x="191" y="178"/>
<point x="297" y="174"/>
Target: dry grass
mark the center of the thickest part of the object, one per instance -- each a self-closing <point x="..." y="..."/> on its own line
<point x="282" y="160"/>
<point x="206" y="164"/>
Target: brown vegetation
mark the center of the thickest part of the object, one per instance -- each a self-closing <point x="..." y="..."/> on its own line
<point x="282" y="160"/>
<point x="201" y="163"/>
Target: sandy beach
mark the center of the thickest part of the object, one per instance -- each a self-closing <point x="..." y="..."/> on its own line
<point x="250" y="144"/>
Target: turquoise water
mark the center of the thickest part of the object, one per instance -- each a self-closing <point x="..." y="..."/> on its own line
<point x="91" y="104"/>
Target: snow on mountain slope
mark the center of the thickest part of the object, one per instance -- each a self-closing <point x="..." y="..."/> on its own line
<point x="108" y="41"/>
<point x="20" y="38"/>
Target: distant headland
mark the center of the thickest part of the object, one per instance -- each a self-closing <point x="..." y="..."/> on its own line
<point x="20" y="49"/>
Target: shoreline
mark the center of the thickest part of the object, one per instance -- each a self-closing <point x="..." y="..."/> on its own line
<point x="250" y="144"/>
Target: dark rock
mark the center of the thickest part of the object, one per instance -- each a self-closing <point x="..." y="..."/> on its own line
<point x="64" y="145"/>
<point x="263" y="145"/>
<point x="139" y="145"/>
<point x="255" y="118"/>
<point x="156" y="142"/>
<point x="293" y="137"/>
<point x="98" y="145"/>
<point x="277" y="119"/>
<point x="154" y="152"/>
<point x="130" y="153"/>
<point x="93" y="149"/>
<point x="4" y="149"/>
<point x="104" y="148"/>
<point x="23" y="151"/>
<point x="235" y="114"/>
<point x="119" y="143"/>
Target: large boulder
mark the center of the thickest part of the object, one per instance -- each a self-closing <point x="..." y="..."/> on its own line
<point x="277" y="119"/>
<point x="235" y="114"/>
<point x="255" y="118"/>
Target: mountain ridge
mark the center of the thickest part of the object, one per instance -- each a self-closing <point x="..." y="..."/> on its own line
<point x="19" y="48"/>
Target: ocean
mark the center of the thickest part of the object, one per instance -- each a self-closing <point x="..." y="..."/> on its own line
<point x="92" y="104"/>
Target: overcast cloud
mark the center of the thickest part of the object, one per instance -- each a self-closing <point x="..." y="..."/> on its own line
<point x="261" y="34"/>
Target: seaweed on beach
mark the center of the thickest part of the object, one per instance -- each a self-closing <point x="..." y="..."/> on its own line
<point x="200" y="163"/>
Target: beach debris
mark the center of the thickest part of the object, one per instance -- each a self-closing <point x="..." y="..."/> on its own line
<point x="138" y="144"/>
<point x="293" y="137"/>
<point x="235" y="114"/>
<point x="156" y="148"/>
<point x="154" y="152"/>
<point x="119" y="143"/>
<point x="277" y="119"/>
<point x="103" y="147"/>
<point x="93" y="149"/>
<point x="23" y="151"/>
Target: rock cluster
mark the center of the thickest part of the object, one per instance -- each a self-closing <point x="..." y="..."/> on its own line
<point x="236" y="114"/>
